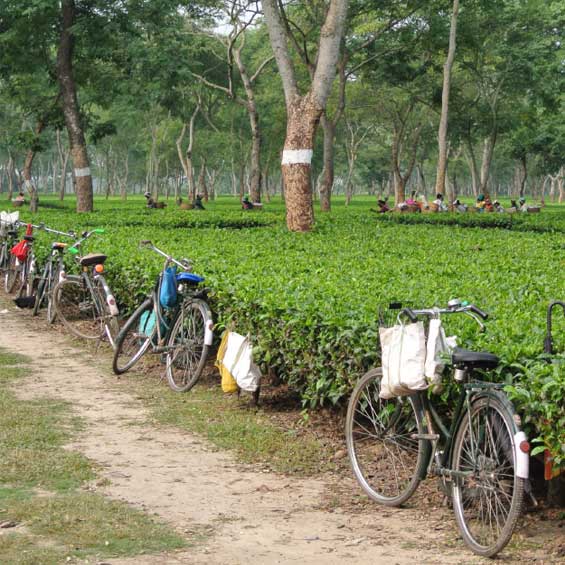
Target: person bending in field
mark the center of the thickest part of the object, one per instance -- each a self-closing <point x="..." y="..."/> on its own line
<point x="197" y="204"/>
<point x="440" y="204"/>
<point x="246" y="204"/>
<point x="151" y="202"/>
<point x="459" y="206"/>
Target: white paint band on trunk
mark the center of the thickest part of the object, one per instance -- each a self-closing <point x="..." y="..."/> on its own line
<point x="82" y="172"/>
<point x="297" y="156"/>
<point x="28" y="183"/>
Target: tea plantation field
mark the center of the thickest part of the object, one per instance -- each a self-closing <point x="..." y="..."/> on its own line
<point x="310" y="300"/>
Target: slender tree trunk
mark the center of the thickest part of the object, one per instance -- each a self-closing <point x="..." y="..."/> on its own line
<point x="84" y="188"/>
<point x="10" y="170"/>
<point x="26" y="172"/>
<point x="472" y="163"/>
<point x="488" y="150"/>
<point x="523" y="175"/>
<point x="202" y="187"/>
<point x="442" y="132"/>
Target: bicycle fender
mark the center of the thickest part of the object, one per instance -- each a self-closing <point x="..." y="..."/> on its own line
<point x="522" y="457"/>
<point x="209" y="332"/>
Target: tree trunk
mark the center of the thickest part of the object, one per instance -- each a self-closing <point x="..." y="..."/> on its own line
<point x="71" y="111"/>
<point x="302" y="120"/>
<point x="472" y="162"/>
<point x="327" y="174"/>
<point x="10" y="171"/>
<point x="488" y="150"/>
<point x="26" y="172"/>
<point x="523" y="175"/>
<point x="202" y="187"/>
<point x="442" y="132"/>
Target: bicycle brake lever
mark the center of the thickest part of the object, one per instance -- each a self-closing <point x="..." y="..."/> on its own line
<point x="482" y="327"/>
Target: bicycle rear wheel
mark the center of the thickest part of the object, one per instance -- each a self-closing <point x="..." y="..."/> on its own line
<point x="488" y="501"/>
<point x="78" y="308"/>
<point x="135" y="338"/>
<point x="188" y="352"/>
<point x="387" y="462"/>
<point x="11" y="275"/>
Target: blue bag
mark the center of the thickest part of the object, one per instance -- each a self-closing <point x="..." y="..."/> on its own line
<point x="168" y="295"/>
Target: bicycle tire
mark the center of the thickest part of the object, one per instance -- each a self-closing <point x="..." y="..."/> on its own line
<point x="42" y="288"/>
<point x="188" y="352"/>
<point x="493" y="485"/>
<point x="132" y="342"/>
<point x="55" y="279"/>
<point x="386" y="461"/>
<point x="11" y="275"/>
<point x="77" y="308"/>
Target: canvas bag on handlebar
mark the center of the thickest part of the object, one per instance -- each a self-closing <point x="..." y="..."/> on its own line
<point x="168" y="293"/>
<point x="403" y="350"/>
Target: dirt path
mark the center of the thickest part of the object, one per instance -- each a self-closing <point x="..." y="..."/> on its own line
<point x="240" y="515"/>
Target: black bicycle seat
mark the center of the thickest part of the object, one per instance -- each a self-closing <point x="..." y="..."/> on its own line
<point x="93" y="259"/>
<point x="464" y="359"/>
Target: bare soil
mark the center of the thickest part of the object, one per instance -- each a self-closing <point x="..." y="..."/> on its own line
<point x="240" y="514"/>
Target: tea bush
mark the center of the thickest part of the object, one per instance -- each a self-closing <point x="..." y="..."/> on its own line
<point x="310" y="300"/>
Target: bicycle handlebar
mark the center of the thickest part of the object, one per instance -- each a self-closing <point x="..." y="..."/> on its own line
<point x="454" y="307"/>
<point x="184" y="264"/>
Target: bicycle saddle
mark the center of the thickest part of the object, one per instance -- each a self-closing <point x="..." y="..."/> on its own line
<point x="189" y="278"/>
<point x="13" y="233"/>
<point x="464" y="359"/>
<point x="93" y="259"/>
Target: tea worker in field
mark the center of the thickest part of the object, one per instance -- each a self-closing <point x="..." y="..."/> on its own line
<point x="151" y="203"/>
<point x="383" y="206"/>
<point x="480" y="204"/>
<point x="197" y="204"/>
<point x="439" y="203"/>
<point x="523" y="205"/>
<point x="458" y="206"/>
<point x="488" y="204"/>
<point x="246" y="204"/>
<point x="20" y="199"/>
<point x="497" y="207"/>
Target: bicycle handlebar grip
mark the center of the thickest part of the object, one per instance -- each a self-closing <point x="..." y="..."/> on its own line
<point x="145" y="242"/>
<point x="478" y="311"/>
<point x="98" y="230"/>
<point x="409" y="314"/>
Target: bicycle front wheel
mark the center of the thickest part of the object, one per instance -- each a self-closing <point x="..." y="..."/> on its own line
<point x="135" y="338"/>
<point x="488" y="496"/>
<point x="387" y="461"/>
<point x="78" y="308"/>
<point x="42" y="294"/>
<point x="187" y="350"/>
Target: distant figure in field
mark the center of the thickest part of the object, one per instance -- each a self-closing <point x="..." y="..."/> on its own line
<point x="523" y="205"/>
<point x="497" y="207"/>
<point x="183" y="205"/>
<point x="383" y="206"/>
<point x="480" y="204"/>
<point x="197" y="204"/>
<point x="441" y="206"/>
<point x="19" y="200"/>
<point x="246" y="204"/>
<point x="459" y="206"/>
<point x="488" y="204"/>
<point x="151" y="202"/>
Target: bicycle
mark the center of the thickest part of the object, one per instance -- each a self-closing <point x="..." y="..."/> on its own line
<point x="481" y="457"/>
<point x="9" y="226"/>
<point x="182" y="334"/>
<point x="51" y="274"/>
<point x="84" y="303"/>
<point x="21" y="273"/>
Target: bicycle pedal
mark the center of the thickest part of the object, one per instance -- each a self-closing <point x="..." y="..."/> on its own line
<point x="430" y="437"/>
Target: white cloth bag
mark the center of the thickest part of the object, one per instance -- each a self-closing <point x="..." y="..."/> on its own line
<point x="239" y="360"/>
<point x="403" y="350"/>
<point x="437" y="346"/>
<point x="7" y="220"/>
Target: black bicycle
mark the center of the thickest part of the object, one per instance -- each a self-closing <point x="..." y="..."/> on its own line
<point x="181" y="333"/>
<point x="481" y="456"/>
<point x="51" y="274"/>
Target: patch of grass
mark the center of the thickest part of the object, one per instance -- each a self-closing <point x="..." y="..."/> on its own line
<point x="224" y="421"/>
<point x="38" y="487"/>
<point x="87" y="523"/>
